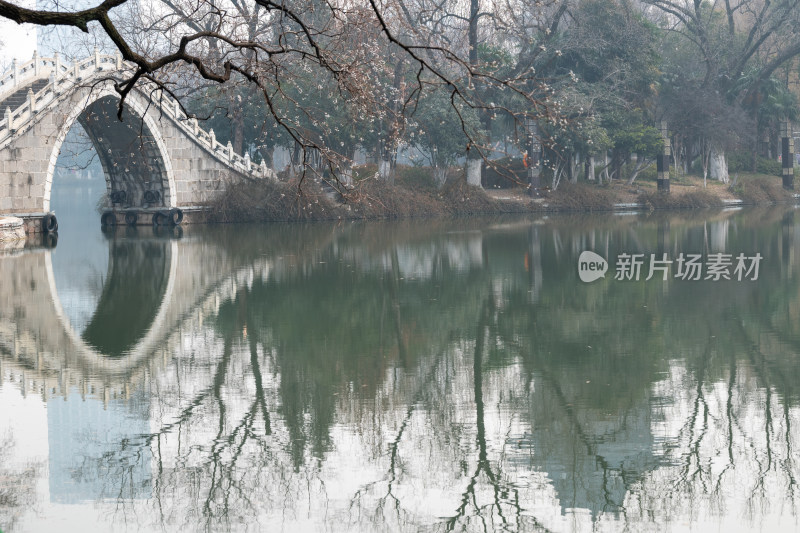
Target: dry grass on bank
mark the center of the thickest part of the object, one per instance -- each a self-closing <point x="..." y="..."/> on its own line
<point x="681" y="200"/>
<point x="760" y="190"/>
<point x="583" y="197"/>
<point x="262" y="200"/>
<point x="415" y="195"/>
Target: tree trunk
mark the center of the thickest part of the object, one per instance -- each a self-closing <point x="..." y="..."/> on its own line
<point x="237" y="125"/>
<point x="572" y="169"/>
<point x="474" y="159"/>
<point x="688" y="149"/>
<point x="604" y="172"/>
<point x="439" y="176"/>
<point x="616" y="165"/>
<point x="641" y="164"/>
<point x="756" y="140"/>
<point x="558" y="172"/>
<point x="474" y="172"/>
<point x="588" y="167"/>
<point x="705" y="157"/>
<point x="388" y="146"/>
<point x="719" y="166"/>
<point x="346" y="175"/>
<point x="386" y="169"/>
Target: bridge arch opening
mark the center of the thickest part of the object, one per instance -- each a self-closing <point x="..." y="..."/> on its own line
<point x="131" y="152"/>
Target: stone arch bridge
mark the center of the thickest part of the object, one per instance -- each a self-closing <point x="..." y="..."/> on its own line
<point x="157" y="157"/>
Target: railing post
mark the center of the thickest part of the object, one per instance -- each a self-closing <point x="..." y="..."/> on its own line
<point x="8" y="119"/>
<point x="263" y="168"/>
<point x="176" y="109"/>
<point x="77" y="70"/>
<point x="35" y="63"/>
<point x="31" y="102"/>
<point x="118" y="58"/>
<point x="15" y="68"/>
<point x="230" y="151"/>
<point x="57" y="66"/>
<point x="247" y="161"/>
<point x="96" y="58"/>
<point x="212" y="138"/>
<point x="194" y="126"/>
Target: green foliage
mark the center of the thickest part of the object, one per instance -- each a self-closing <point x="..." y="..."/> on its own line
<point x="605" y="67"/>
<point x="738" y="189"/>
<point x="739" y="161"/>
<point x="365" y="172"/>
<point x="629" y="134"/>
<point x="612" y="48"/>
<point x="648" y="174"/>
<point x="495" y="58"/>
<point x="742" y="161"/>
<point x="439" y="128"/>
<point x="596" y="138"/>
<point x="638" y="139"/>
<point x="415" y="177"/>
<point x="769" y="166"/>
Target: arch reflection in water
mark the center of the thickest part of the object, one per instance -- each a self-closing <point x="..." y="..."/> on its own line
<point x="127" y="299"/>
<point x="133" y="292"/>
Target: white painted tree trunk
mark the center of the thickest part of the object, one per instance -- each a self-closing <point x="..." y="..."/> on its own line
<point x="385" y="170"/>
<point x="641" y="164"/>
<point x="590" y="175"/>
<point x="346" y="176"/>
<point x="604" y="172"/>
<point x="439" y="176"/>
<point x="572" y="170"/>
<point x="719" y="166"/>
<point x="474" y="172"/>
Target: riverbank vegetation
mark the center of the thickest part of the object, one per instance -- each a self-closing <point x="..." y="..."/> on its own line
<point x="500" y="95"/>
<point x="415" y="193"/>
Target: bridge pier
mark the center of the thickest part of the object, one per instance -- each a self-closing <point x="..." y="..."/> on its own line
<point x="11" y="229"/>
<point x="154" y="216"/>
<point x="37" y="222"/>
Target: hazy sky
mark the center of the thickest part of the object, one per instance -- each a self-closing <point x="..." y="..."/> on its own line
<point x="16" y="40"/>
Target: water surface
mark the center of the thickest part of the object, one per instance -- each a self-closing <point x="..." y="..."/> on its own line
<point x="402" y="376"/>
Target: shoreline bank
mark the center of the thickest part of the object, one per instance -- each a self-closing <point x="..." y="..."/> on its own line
<point x="371" y="199"/>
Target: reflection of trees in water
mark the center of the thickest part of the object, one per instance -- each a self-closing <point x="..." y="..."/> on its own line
<point x="338" y="395"/>
<point x="17" y="485"/>
<point x="727" y="419"/>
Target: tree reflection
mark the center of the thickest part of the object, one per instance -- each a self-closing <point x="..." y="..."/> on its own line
<point x="472" y="383"/>
<point x="17" y="485"/>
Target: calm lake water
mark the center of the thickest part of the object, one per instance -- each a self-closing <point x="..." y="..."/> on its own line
<point x="402" y="376"/>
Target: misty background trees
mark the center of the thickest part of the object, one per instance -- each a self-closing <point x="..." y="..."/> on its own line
<point x="321" y="87"/>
